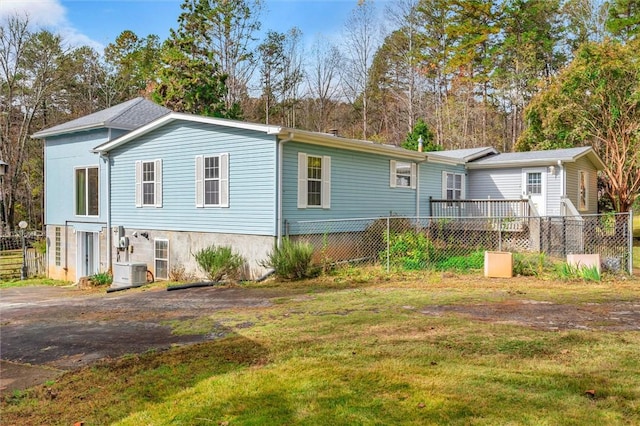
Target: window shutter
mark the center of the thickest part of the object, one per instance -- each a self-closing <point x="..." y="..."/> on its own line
<point x="463" y="186"/>
<point x="326" y="182"/>
<point x="224" y="180"/>
<point x="199" y="181"/>
<point x="392" y="173"/>
<point x="413" y="176"/>
<point x="138" y="183"/>
<point x="444" y="185"/>
<point x="302" y="180"/>
<point x="158" y="188"/>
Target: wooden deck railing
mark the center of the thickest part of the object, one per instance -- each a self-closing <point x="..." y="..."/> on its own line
<point x="480" y="208"/>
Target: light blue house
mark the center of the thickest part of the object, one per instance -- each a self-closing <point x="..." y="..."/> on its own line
<point x="137" y="183"/>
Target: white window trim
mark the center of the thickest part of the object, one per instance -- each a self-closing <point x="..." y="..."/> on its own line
<point x="75" y="189"/>
<point x="584" y="173"/>
<point x="155" y="259"/>
<point x="224" y="180"/>
<point x="463" y="184"/>
<point x="157" y="174"/>
<point x="393" y="175"/>
<point x="325" y="195"/>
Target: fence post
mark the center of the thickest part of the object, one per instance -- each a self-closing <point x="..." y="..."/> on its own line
<point x="564" y="236"/>
<point x="500" y="234"/>
<point x="630" y="257"/>
<point x="388" y="244"/>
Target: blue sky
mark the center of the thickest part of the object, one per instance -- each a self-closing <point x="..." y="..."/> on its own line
<point x="98" y="22"/>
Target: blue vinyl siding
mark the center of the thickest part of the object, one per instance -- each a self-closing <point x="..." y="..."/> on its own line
<point x="497" y="184"/>
<point x="431" y="183"/>
<point x="251" y="180"/>
<point x="62" y="155"/>
<point x="359" y="186"/>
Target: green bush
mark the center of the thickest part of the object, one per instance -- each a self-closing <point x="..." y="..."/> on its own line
<point x="587" y="273"/>
<point x="101" y="278"/>
<point x="220" y="262"/>
<point x="409" y="250"/>
<point x="291" y="261"/>
<point x="474" y="260"/>
<point x="534" y="264"/>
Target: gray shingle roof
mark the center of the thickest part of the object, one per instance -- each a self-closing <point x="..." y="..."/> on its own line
<point x="468" y="154"/>
<point x="567" y="154"/>
<point x="127" y="116"/>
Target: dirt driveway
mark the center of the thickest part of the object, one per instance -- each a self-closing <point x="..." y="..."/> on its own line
<point x="47" y="330"/>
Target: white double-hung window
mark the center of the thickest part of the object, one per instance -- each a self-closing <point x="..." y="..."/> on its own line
<point x="452" y="186"/>
<point x="149" y="183"/>
<point x="212" y="180"/>
<point x="402" y="175"/>
<point x="314" y="181"/>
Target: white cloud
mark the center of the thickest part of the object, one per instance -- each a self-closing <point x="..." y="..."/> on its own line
<point x="50" y="15"/>
<point x="41" y="13"/>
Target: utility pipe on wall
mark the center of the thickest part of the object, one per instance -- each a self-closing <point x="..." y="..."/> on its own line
<point x="280" y="167"/>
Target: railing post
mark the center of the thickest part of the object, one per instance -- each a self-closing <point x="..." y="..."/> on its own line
<point x="564" y="236"/>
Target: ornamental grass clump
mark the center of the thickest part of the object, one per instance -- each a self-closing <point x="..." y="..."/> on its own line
<point x="290" y="261"/>
<point x="220" y="262"/>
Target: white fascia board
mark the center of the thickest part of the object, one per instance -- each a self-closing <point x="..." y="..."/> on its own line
<point x="595" y="159"/>
<point x="103" y="125"/>
<point x="439" y="159"/>
<point x="332" y="141"/>
<point x="516" y="163"/>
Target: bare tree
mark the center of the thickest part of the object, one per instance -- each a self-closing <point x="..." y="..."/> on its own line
<point x="30" y="70"/>
<point x="361" y="42"/>
<point x="323" y="79"/>
<point x="232" y="25"/>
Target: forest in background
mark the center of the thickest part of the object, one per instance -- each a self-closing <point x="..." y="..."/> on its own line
<point x="513" y="74"/>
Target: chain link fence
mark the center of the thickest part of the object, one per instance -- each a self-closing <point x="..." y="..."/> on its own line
<point x="439" y="242"/>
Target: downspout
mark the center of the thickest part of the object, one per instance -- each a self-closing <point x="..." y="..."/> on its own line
<point x="105" y="157"/>
<point x="563" y="191"/>
<point x="418" y="163"/>
<point x="279" y="160"/>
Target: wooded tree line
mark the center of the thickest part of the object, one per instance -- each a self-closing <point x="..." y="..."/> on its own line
<point x="514" y="74"/>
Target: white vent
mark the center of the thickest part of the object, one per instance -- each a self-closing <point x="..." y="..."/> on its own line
<point x="129" y="274"/>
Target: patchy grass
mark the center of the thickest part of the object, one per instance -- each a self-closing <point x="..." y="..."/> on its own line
<point x="636" y="257"/>
<point x="32" y="282"/>
<point x="355" y="347"/>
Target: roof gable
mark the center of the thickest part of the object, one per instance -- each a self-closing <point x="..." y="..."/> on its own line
<point x="126" y="116"/>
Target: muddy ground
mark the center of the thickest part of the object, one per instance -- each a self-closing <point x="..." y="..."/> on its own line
<point x="45" y="331"/>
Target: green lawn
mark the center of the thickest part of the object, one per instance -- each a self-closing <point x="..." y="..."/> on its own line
<point x="636" y="226"/>
<point x="16" y="282"/>
<point x="358" y="348"/>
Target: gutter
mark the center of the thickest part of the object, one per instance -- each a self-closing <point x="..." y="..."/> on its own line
<point x="418" y="163"/>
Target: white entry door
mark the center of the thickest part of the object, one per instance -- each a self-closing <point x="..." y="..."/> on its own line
<point x="534" y="187"/>
<point x="88" y="253"/>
